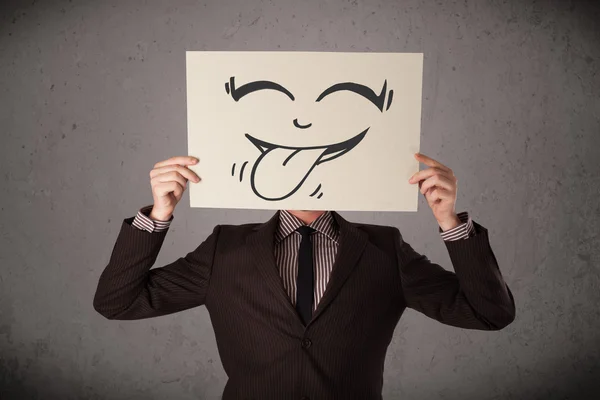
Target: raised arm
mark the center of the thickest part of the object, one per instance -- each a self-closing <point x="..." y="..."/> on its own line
<point x="128" y="289"/>
<point x="475" y="297"/>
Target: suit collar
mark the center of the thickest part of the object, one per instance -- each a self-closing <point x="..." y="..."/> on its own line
<point x="288" y="223"/>
<point x="262" y="246"/>
<point x="352" y="244"/>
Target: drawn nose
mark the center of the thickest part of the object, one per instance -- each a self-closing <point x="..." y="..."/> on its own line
<point x="297" y="125"/>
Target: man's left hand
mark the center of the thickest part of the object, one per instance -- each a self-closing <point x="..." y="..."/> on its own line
<point x="438" y="185"/>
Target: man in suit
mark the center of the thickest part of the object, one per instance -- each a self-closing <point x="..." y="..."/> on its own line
<point x="304" y="305"/>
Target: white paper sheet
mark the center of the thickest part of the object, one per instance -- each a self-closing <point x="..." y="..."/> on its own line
<point x="304" y="130"/>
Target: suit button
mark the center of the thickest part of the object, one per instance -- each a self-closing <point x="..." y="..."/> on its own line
<point x="306" y="343"/>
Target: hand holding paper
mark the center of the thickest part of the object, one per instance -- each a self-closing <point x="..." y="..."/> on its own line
<point x="168" y="180"/>
<point x="438" y="184"/>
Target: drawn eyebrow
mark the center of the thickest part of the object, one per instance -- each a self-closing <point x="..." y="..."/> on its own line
<point x="238" y="93"/>
<point x="362" y="90"/>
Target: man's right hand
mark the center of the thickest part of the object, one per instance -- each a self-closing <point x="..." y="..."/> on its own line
<point x="168" y="180"/>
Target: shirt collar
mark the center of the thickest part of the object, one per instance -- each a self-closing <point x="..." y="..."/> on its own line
<point x="288" y="223"/>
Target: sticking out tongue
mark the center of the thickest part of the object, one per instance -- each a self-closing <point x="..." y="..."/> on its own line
<point x="279" y="172"/>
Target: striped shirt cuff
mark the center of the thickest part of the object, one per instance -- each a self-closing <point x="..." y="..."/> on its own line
<point x="144" y="222"/>
<point x="463" y="231"/>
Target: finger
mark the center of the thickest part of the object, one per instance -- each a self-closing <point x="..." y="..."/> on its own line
<point x="430" y="161"/>
<point x="436" y="195"/>
<point x="180" y="160"/>
<point x="178" y="192"/>
<point x="164" y="188"/>
<point x="170" y="176"/>
<point x="426" y="173"/>
<point x="173" y="187"/>
<point x="427" y="195"/>
<point x="185" y="171"/>
<point x="436" y="181"/>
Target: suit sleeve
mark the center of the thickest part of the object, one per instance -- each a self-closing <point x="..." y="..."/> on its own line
<point x="143" y="221"/>
<point x="475" y="296"/>
<point x="464" y="231"/>
<point x="128" y="289"/>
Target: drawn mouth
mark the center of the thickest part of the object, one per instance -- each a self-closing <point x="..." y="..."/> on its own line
<point x="289" y="166"/>
<point x="331" y="152"/>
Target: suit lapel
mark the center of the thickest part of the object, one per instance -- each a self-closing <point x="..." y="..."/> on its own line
<point x="262" y="246"/>
<point x="352" y="245"/>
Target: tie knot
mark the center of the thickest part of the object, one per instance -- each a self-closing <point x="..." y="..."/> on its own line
<point x="305" y="230"/>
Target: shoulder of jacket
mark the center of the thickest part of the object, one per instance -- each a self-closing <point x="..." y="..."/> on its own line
<point x="237" y="228"/>
<point x="382" y="237"/>
<point x="375" y="229"/>
<point x="379" y="235"/>
<point x="236" y="231"/>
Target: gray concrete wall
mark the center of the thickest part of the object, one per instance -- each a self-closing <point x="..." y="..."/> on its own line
<point x="93" y="94"/>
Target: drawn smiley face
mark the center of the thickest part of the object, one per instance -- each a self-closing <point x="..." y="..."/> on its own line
<point x="296" y="162"/>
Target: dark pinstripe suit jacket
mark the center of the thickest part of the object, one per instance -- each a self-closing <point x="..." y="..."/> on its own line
<point x="265" y="349"/>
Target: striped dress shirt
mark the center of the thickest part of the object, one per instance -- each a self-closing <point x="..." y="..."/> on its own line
<point x="325" y="245"/>
<point x="287" y="243"/>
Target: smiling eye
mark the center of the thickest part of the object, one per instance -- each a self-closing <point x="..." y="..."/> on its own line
<point x="362" y="90"/>
<point x="238" y="93"/>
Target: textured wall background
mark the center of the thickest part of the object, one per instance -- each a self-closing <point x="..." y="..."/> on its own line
<point x="93" y="94"/>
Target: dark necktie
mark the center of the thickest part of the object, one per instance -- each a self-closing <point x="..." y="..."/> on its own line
<point x="304" y="283"/>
